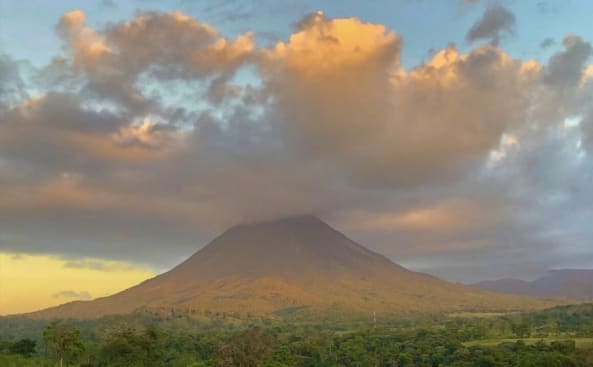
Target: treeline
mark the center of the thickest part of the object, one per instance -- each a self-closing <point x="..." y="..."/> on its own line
<point x="424" y="343"/>
<point x="569" y="320"/>
<point x="277" y="347"/>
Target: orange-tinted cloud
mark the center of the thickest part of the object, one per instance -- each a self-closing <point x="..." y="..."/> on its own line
<point x="446" y="217"/>
<point x="340" y="92"/>
<point x="159" y="130"/>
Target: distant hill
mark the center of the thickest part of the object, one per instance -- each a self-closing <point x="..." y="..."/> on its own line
<point x="291" y="264"/>
<point x="567" y="283"/>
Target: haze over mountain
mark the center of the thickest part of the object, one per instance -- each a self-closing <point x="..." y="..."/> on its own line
<point x="290" y="263"/>
<point x="569" y="283"/>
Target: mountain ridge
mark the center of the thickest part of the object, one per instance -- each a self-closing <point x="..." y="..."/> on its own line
<point x="568" y="283"/>
<point x="291" y="262"/>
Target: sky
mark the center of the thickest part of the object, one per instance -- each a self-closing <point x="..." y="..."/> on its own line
<point x="454" y="137"/>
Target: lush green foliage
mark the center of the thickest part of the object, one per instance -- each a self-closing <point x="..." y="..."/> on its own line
<point x="431" y="342"/>
<point x="63" y="341"/>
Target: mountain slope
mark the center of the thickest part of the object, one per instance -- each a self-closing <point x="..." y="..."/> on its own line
<point x="569" y="283"/>
<point x="288" y="263"/>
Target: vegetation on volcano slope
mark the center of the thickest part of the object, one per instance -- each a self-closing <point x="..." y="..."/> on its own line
<point x="545" y="338"/>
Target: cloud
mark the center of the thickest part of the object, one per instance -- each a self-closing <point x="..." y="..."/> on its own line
<point x="172" y="45"/>
<point x="96" y="265"/>
<point x="547" y="42"/>
<point x="495" y="21"/>
<point x="149" y="136"/>
<point x="58" y="125"/>
<point x="566" y="68"/>
<point x="12" y="86"/>
<point x="180" y="40"/>
<point x="452" y="216"/>
<point x="82" y="295"/>
<point x="362" y="111"/>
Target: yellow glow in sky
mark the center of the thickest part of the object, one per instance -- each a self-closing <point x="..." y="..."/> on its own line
<point x="33" y="282"/>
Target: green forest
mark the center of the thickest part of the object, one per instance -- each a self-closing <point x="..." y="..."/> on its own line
<point x="561" y="336"/>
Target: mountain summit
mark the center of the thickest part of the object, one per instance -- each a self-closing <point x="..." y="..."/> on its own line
<point x="292" y="248"/>
<point x="296" y="262"/>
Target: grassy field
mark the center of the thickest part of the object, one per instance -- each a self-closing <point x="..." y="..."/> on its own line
<point x="465" y="315"/>
<point x="579" y="342"/>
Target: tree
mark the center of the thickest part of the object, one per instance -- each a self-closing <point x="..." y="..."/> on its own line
<point x="247" y="349"/>
<point x="24" y="347"/>
<point x="521" y="329"/>
<point x="63" y="339"/>
<point x="129" y="348"/>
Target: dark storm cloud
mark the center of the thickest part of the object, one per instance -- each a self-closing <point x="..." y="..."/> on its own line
<point x="496" y="21"/>
<point x="136" y="154"/>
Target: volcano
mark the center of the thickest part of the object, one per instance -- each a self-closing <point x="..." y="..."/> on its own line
<point x="292" y="263"/>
